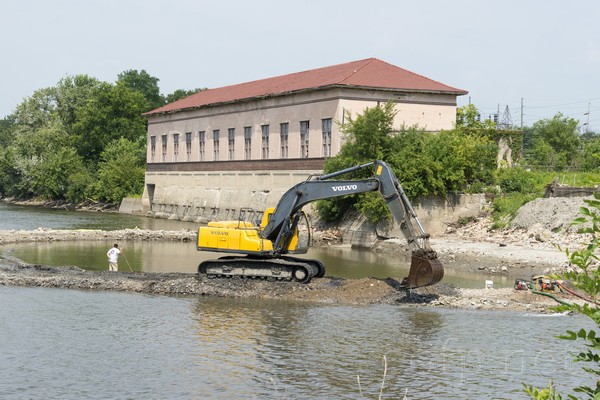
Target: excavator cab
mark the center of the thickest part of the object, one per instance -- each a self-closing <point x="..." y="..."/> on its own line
<point x="300" y="239"/>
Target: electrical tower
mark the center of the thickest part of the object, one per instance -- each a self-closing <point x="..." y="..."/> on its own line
<point x="506" y="121"/>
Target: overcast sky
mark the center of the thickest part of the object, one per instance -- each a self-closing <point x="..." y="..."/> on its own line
<point x="546" y="52"/>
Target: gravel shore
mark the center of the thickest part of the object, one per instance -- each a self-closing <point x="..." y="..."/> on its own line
<point x="454" y="252"/>
<point x="530" y="247"/>
<point x="321" y="290"/>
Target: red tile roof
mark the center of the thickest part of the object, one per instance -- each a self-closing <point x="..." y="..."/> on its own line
<point x="368" y="73"/>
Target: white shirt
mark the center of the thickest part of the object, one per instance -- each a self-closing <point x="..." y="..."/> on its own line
<point x="113" y="254"/>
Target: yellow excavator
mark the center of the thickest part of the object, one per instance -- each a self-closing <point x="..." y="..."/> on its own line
<point x="265" y="250"/>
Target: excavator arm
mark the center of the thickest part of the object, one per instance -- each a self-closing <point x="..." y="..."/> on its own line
<point x="268" y="247"/>
<point x="425" y="269"/>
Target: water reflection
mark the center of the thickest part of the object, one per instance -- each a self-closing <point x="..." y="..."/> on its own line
<point x="308" y="351"/>
<point x="288" y="347"/>
<point x="76" y="344"/>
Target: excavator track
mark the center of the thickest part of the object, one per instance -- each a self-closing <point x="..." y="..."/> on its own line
<point x="315" y="263"/>
<point x="288" y="269"/>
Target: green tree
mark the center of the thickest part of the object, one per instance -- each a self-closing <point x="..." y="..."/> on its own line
<point x="469" y="117"/>
<point x="71" y="94"/>
<point x="589" y="157"/>
<point x="40" y="159"/>
<point x="36" y="111"/>
<point x="51" y="176"/>
<point x="181" y="94"/>
<point x="10" y="175"/>
<point x="121" y="170"/>
<point x="114" y="111"/>
<point x="554" y="142"/>
<point x="368" y="135"/>
<point x="52" y="144"/>
<point x="367" y="138"/>
<point x="7" y="127"/>
<point x="419" y="173"/>
<point x="464" y="158"/>
<point x="144" y="83"/>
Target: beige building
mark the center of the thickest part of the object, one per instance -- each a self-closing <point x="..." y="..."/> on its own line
<point x="223" y="149"/>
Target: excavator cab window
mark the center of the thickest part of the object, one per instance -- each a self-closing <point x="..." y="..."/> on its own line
<point x="266" y="217"/>
<point x="303" y="233"/>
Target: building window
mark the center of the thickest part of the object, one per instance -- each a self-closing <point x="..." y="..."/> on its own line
<point x="247" y="142"/>
<point x="327" y="137"/>
<point x="231" y="137"/>
<point x="152" y="147"/>
<point x="188" y="145"/>
<point x="202" y="145"/>
<point x="216" y="145"/>
<point x="304" y="126"/>
<point x="283" y="136"/>
<point x="265" y="141"/>
<point x="164" y="147"/>
<point x="175" y="146"/>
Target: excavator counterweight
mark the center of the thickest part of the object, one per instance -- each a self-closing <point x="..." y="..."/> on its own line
<point x="263" y="251"/>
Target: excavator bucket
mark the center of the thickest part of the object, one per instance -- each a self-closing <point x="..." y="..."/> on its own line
<point x="423" y="272"/>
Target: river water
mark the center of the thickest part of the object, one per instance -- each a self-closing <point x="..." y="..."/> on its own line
<point x="69" y="344"/>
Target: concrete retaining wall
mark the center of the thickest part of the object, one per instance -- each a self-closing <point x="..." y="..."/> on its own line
<point x="434" y="213"/>
<point x="212" y="196"/>
<point x="131" y="206"/>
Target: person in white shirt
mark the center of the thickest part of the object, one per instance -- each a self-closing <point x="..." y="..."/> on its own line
<point x="113" y="258"/>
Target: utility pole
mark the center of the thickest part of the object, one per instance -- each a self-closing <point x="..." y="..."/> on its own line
<point x="587" y="124"/>
<point x="521" y="113"/>
<point x="523" y="138"/>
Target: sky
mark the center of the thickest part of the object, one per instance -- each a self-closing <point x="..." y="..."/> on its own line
<point x="532" y="58"/>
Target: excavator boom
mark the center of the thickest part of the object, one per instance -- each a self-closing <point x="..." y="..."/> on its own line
<point x="278" y="233"/>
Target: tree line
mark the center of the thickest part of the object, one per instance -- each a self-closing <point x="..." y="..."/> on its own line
<point x="86" y="139"/>
<point x="462" y="159"/>
<point x="80" y="139"/>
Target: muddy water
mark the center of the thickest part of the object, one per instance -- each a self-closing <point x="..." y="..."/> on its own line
<point x="71" y="344"/>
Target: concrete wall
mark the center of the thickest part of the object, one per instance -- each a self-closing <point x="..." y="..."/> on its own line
<point x="209" y="196"/>
<point x="131" y="206"/>
<point x="434" y="213"/>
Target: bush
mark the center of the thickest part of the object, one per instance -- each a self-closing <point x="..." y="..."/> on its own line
<point x="513" y="180"/>
<point x="505" y="208"/>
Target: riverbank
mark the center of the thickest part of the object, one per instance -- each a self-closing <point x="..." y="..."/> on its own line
<point x="529" y="248"/>
<point x="454" y="252"/>
<point x="321" y="290"/>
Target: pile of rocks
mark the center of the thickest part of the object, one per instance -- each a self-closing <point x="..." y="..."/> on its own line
<point x="49" y="235"/>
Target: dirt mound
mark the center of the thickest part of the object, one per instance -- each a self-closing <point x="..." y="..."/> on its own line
<point x="554" y="214"/>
